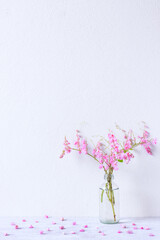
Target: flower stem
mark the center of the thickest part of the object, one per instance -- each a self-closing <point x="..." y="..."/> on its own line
<point x="110" y="192"/>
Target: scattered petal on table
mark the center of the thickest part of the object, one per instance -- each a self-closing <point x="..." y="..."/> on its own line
<point x="13" y="224"/>
<point x="151" y="235"/>
<point x="23" y="220"/>
<point x="74" y="223"/>
<point x="99" y="231"/>
<point x="141" y="227"/>
<point x="123" y="226"/>
<point x="82" y="230"/>
<point x="41" y="232"/>
<point x="130" y="232"/>
<point x="16" y="227"/>
<point x="119" y="231"/>
<point x="31" y="226"/>
<point x="103" y="234"/>
<point x="36" y="221"/>
<point x="133" y="224"/>
<point x="62" y="218"/>
<point x="85" y="226"/>
<point x="61" y="227"/>
<point x="53" y="223"/>
<point x="147" y="228"/>
<point x="135" y="228"/>
<point x="73" y="232"/>
<point x="46" y="216"/>
<point x="6" y="234"/>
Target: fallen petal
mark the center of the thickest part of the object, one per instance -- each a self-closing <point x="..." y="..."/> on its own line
<point x="41" y="232"/>
<point x="119" y="231"/>
<point x="123" y="226"/>
<point x="82" y="230"/>
<point x="151" y="235"/>
<point x="61" y="227"/>
<point x="130" y="232"/>
<point x="135" y="228"/>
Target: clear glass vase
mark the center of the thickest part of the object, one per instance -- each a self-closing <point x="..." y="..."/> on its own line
<point x="109" y="200"/>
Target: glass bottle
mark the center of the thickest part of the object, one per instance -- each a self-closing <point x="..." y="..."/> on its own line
<point x="109" y="200"/>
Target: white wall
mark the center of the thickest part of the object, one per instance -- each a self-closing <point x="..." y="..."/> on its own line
<point x="67" y="65"/>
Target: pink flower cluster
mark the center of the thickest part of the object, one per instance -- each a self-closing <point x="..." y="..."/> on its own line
<point x="108" y="155"/>
<point x="67" y="148"/>
<point x="145" y="143"/>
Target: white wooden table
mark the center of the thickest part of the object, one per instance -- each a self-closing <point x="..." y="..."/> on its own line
<point x="95" y="229"/>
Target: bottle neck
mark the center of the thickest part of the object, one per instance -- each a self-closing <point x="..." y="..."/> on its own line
<point x="109" y="177"/>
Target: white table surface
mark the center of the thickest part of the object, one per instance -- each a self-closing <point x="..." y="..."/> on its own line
<point x="110" y="230"/>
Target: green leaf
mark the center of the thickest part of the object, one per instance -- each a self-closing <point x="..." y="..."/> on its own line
<point x="120" y="160"/>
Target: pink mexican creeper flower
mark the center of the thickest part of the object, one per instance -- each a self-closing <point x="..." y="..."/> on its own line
<point x="67" y="148"/>
<point x="109" y="155"/>
<point x="77" y="143"/>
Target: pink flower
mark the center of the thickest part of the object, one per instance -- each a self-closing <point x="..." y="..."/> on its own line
<point x="67" y="147"/>
<point x="84" y="147"/>
<point x="62" y="155"/>
<point x="154" y="141"/>
<point x="100" y="166"/>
